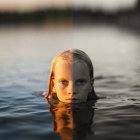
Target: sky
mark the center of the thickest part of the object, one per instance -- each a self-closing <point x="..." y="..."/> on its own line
<point x="27" y="5"/>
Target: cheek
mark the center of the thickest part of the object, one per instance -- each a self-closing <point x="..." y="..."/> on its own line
<point x="84" y="90"/>
<point x="60" y="92"/>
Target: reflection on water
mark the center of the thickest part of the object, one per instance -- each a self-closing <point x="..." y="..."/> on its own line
<point x="73" y="121"/>
<point x="63" y="122"/>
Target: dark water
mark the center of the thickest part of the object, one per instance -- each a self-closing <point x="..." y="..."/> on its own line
<point x="25" y="55"/>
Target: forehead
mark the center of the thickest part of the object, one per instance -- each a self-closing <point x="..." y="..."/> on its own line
<point x="77" y="68"/>
<point x="80" y="69"/>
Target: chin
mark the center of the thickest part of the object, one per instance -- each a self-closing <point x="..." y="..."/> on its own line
<point x="70" y="101"/>
<point x="75" y="101"/>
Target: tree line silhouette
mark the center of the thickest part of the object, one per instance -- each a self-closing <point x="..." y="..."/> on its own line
<point x="130" y="17"/>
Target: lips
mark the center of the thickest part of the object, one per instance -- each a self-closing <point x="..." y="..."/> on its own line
<point x="72" y="99"/>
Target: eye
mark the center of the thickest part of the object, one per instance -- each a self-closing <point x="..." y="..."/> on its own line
<point x="63" y="82"/>
<point x="80" y="82"/>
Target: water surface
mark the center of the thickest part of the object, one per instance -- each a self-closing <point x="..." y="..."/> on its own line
<point x="25" y="55"/>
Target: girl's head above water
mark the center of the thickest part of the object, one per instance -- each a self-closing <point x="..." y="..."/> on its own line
<point x="71" y="77"/>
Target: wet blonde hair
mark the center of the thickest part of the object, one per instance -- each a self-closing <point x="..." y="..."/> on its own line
<point x="70" y="55"/>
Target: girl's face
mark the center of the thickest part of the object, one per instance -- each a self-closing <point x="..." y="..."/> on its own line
<point x="72" y="81"/>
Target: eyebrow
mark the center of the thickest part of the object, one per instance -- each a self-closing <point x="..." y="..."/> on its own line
<point x="60" y="79"/>
<point x="81" y="79"/>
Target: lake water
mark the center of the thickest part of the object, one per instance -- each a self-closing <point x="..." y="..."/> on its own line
<point x="25" y="55"/>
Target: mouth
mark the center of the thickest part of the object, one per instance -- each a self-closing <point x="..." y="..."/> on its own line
<point x="72" y="99"/>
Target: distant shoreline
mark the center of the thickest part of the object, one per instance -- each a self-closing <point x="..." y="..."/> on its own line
<point x="127" y="18"/>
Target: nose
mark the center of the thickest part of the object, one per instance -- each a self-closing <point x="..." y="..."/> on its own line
<point x="71" y="89"/>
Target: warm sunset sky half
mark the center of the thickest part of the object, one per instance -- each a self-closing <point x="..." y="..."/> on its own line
<point x="27" y="5"/>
